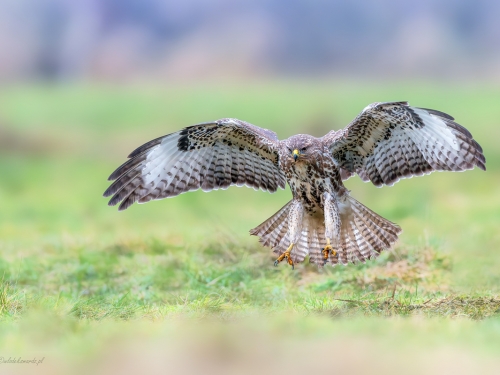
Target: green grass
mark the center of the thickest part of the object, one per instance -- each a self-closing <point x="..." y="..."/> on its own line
<point x="78" y="275"/>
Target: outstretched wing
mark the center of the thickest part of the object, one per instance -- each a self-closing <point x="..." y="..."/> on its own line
<point x="210" y="156"/>
<point x="390" y="141"/>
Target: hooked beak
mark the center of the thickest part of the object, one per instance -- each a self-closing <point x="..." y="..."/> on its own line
<point x="295" y="154"/>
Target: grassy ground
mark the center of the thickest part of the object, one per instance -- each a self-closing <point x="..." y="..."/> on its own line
<point x="85" y="284"/>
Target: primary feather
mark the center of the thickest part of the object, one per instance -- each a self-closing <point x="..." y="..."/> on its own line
<point x="209" y="156"/>
<point x="390" y="141"/>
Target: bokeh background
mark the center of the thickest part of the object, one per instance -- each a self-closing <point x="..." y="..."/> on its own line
<point x="110" y="40"/>
<point x="82" y="83"/>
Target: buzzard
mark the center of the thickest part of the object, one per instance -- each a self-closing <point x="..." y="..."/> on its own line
<point x="384" y="143"/>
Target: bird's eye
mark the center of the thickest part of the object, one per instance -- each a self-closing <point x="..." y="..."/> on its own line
<point x="303" y="149"/>
<point x="290" y="150"/>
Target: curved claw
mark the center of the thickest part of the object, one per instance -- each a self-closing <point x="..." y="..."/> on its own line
<point x="327" y="250"/>
<point x="286" y="255"/>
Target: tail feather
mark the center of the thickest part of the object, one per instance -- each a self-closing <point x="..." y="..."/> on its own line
<point x="273" y="230"/>
<point x="383" y="229"/>
<point x="363" y="234"/>
<point x="273" y="233"/>
<point x="345" y="247"/>
<point x="375" y="235"/>
<point x="370" y="237"/>
<point x="318" y="241"/>
<point x="363" y="248"/>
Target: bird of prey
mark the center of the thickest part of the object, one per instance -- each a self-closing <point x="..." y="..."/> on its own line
<point x="384" y="143"/>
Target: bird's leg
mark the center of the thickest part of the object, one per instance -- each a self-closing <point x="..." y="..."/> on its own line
<point x="328" y="249"/>
<point x="332" y="224"/>
<point x="286" y="255"/>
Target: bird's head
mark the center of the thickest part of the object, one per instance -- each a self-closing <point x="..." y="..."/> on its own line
<point x="301" y="147"/>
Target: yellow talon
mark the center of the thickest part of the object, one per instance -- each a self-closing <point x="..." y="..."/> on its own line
<point x="328" y="249"/>
<point x="286" y="255"/>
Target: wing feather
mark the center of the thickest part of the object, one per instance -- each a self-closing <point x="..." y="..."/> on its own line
<point x="209" y="156"/>
<point x="390" y="141"/>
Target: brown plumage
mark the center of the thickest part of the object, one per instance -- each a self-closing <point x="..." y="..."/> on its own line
<point x="384" y="143"/>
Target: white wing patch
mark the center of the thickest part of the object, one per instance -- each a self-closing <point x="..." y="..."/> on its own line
<point x="390" y="141"/>
<point x="209" y="156"/>
<point x="438" y="127"/>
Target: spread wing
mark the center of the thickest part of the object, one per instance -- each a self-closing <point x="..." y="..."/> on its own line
<point x="390" y="141"/>
<point x="210" y="156"/>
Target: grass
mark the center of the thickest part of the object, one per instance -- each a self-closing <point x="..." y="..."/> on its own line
<point x="79" y="276"/>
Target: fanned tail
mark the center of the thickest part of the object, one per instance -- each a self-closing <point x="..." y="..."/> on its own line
<point x="363" y="233"/>
<point x="273" y="233"/>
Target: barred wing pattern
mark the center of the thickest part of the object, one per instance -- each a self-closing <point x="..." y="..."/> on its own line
<point x="390" y="141"/>
<point x="209" y="156"/>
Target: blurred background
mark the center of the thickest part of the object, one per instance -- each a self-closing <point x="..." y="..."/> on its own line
<point x="83" y="83"/>
<point x="111" y="40"/>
